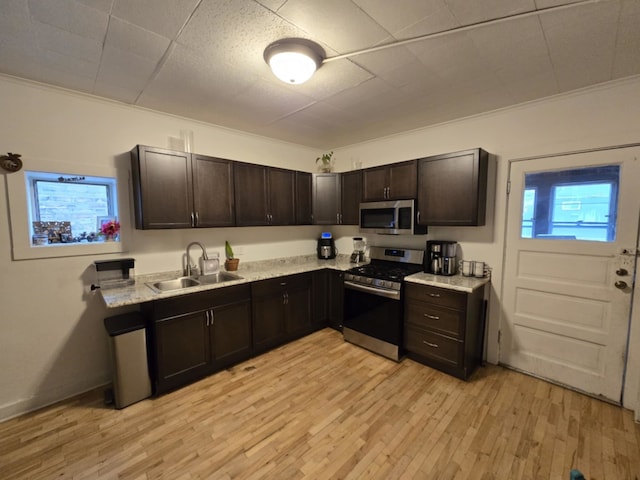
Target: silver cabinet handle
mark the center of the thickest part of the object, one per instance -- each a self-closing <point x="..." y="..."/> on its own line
<point x="197" y="219"/>
<point x="418" y="217"/>
<point x="433" y="345"/>
<point x="434" y="295"/>
<point x="432" y="317"/>
<point x="193" y="220"/>
<point x="212" y="316"/>
<point x="206" y="315"/>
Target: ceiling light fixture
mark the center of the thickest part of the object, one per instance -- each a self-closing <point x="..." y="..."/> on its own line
<point x="294" y="60"/>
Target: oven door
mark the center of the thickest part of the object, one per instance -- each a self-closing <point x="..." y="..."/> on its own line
<point x="373" y="312"/>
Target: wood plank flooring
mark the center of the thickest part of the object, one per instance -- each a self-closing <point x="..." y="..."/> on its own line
<point x="320" y="408"/>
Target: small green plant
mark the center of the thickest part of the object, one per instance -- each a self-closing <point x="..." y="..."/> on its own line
<point x="325" y="160"/>
<point x="228" y="251"/>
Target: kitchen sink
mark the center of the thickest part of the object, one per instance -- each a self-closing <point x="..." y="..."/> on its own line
<point x="175" y="284"/>
<point x="181" y="283"/>
<point x="217" y="278"/>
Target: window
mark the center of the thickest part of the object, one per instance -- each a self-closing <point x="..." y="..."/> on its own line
<point x="67" y="209"/>
<point x="66" y="206"/>
<point x="576" y="204"/>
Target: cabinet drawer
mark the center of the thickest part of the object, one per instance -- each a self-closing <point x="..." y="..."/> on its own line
<point x="440" y="296"/>
<point x="280" y="284"/>
<point x="432" y="345"/>
<point x="433" y="317"/>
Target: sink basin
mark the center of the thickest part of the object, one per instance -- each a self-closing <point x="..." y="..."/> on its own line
<point x="175" y="284"/>
<point x="217" y="278"/>
<point x="186" y="282"/>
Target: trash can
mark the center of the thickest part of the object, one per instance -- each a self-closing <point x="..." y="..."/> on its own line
<point x="128" y="345"/>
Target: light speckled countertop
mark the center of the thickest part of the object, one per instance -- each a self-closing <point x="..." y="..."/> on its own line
<point x="140" y="292"/>
<point x="454" y="282"/>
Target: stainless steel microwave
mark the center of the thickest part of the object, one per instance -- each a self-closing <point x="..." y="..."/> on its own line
<point x="397" y="217"/>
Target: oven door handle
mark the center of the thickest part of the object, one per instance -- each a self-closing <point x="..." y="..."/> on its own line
<point x="392" y="294"/>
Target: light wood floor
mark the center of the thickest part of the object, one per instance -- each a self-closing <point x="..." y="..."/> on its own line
<point x="321" y="408"/>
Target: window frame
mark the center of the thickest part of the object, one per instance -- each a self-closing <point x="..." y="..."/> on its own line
<point x="22" y="248"/>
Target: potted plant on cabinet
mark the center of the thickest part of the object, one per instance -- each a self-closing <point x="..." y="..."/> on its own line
<point x="231" y="263"/>
<point x="325" y="162"/>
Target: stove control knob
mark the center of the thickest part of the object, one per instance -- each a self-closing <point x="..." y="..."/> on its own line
<point x="388" y="284"/>
<point x="369" y="280"/>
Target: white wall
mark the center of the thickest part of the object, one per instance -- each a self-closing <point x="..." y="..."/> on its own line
<point x="53" y="343"/>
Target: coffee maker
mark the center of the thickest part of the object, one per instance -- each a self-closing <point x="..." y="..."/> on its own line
<point x="441" y="257"/>
<point x="326" y="246"/>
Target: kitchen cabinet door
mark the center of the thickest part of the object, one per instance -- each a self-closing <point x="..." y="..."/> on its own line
<point x="230" y="332"/>
<point x="327" y="198"/>
<point x="269" y="328"/>
<point x="251" y="190"/>
<point x="351" y="197"/>
<point x="336" y="299"/>
<point x="452" y="188"/>
<point x="303" y="205"/>
<point x="395" y="181"/>
<point x="298" y="308"/>
<point x="320" y="298"/>
<point x="162" y="188"/>
<point x="374" y="183"/>
<point x="282" y="196"/>
<point x="213" y="192"/>
<point x="182" y="350"/>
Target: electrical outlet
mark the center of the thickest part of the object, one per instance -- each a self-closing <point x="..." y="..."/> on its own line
<point x="238" y="250"/>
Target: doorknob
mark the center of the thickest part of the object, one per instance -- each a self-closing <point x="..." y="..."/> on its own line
<point x="620" y="284"/>
<point x="621" y="272"/>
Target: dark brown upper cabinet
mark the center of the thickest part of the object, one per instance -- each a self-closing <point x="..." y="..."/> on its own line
<point x="181" y="190"/>
<point x="452" y="188"/>
<point x="336" y="198"/>
<point x="264" y="195"/>
<point x="351" y="197"/>
<point x="303" y="206"/>
<point x="396" y="181"/>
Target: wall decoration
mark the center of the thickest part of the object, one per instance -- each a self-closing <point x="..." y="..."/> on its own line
<point x="11" y="162"/>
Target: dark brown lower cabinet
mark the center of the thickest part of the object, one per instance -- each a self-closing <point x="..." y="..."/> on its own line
<point x="444" y="328"/>
<point x="194" y="335"/>
<point x="281" y="310"/>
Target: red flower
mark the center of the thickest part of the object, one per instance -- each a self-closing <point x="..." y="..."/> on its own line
<point x="110" y="228"/>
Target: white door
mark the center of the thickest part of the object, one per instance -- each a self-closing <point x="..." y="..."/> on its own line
<point x="566" y="302"/>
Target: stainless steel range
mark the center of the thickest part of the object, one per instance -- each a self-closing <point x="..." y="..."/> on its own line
<point x="373" y="304"/>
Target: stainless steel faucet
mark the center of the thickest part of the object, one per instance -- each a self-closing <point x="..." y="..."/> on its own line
<point x="187" y="270"/>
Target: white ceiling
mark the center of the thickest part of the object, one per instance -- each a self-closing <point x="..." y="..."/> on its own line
<point x="203" y="59"/>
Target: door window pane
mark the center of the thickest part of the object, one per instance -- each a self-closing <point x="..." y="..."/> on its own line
<point x="578" y="204"/>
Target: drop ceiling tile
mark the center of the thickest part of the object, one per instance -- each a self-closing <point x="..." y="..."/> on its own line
<point x="71" y="16"/>
<point x="401" y="18"/>
<point x="102" y="5"/>
<point x="384" y="61"/>
<point x="164" y="17"/>
<point x="125" y="69"/>
<point x="136" y="40"/>
<point x="541" y="4"/>
<point x="67" y="44"/>
<point x="273" y="5"/>
<point x="469" y="12"/>
<point x="120" y="93"/>
<point x="627" y="56"/>
<point x="349" y="98"/>
<point x="338" y="23"/>
<point x="235" y="32"/>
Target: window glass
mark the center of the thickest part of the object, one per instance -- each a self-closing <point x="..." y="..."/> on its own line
<point x="579" y="204"/>
<point x="71" y="209"/>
